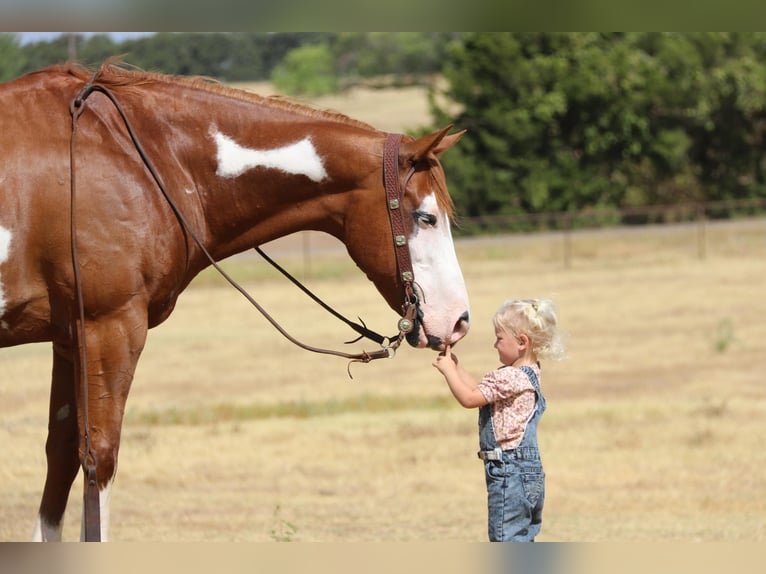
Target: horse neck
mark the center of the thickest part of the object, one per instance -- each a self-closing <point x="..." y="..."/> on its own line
<point x="268" y="173"/>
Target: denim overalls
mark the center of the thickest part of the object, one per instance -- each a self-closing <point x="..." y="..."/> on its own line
<point x="515" y="478"/>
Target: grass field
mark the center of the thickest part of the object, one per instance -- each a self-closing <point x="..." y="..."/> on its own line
<point x="653" y="433"/>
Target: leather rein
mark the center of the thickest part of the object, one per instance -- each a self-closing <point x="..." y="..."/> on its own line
<point x="394" y="198"/>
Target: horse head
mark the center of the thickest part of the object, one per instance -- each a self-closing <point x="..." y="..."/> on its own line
<point x="427" y="210"/>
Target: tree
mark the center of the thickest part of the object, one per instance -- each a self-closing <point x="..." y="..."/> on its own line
<point x="308" y="70"/>
<point x="573" y="121"/>
<point x="407" y="56"/>
<point x="729" y="134"/>
<point x="11" y="57"/>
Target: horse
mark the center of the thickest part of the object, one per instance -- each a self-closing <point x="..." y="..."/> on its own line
<point x="93" y="255"/>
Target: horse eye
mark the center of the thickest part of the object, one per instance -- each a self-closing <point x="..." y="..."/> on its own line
<point x="426" y="218"/>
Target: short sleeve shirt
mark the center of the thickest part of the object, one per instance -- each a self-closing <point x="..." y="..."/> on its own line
<point x="512" y="399"/>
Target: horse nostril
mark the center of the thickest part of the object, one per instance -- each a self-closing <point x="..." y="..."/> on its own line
<point x="461" y="327"/>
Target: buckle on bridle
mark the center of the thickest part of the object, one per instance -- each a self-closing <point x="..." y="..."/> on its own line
<point x="410" y="310"/>
<point x="406" y="325"/>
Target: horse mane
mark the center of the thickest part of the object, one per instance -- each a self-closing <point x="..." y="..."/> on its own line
<point x="114" y="73"/>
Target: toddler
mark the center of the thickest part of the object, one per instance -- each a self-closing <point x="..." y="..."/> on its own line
<point x="510" y="404"/>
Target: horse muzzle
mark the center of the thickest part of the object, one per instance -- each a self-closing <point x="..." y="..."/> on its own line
<point x="417" y="339"/>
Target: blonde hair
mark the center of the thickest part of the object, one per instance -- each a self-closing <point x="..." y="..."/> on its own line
<point x="535" y="318"/>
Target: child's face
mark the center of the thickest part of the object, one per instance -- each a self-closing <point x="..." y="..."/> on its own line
<point x="509" y="349"/>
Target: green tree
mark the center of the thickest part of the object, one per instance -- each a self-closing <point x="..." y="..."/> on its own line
<point x="44" y="53"/>
<point x="11" y="57"/>
<point x="730" y="129"/>
<point x="308" y="70"/>
<point x="192" y="54"/>
<point x="405" y="57"/>
<point x="571" y="121"/>
<point x="95" y="49"/>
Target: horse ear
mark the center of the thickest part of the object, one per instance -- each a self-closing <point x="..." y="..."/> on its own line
<point x="447" y="142"/>
<point x="434" y="143"/>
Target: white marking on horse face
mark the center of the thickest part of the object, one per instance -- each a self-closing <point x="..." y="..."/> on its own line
<point x="299" y="158"/>
<point x="437" y="271"/>
<point x="5" y="248"/>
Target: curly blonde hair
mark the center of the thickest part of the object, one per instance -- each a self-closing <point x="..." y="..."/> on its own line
<point x="535" y="318"/>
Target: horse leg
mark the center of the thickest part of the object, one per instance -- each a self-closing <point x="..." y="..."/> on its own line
<point x="60" y="448"/>
<point x="114" y="346"/>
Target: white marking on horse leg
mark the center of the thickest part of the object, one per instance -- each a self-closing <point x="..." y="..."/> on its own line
<point x="45" y="532"/>
<point x="104" y="499"/>
<point x="299" y="158"/>
<point x="5" y="248"/>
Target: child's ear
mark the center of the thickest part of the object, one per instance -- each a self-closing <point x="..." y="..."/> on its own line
<point x="524" y="341"/>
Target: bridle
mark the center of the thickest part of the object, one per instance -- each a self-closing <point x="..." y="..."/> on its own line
<point x="389" y="345"/>
<point x="410" y="310"/>
<point x="395" y="198"/>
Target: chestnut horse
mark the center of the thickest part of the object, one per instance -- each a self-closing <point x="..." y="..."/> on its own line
<point x="242" y="170"/>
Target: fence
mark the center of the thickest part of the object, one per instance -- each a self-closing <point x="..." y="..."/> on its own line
<point x="568" y="223"/>
<point x="569" y="229"/>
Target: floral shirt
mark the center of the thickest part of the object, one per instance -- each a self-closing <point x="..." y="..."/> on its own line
<point x="512" y="401"/>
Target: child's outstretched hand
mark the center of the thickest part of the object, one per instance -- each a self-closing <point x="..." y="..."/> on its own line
<point x="445" y="361"/>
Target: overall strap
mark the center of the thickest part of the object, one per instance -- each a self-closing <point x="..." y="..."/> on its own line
<point x="533" y="378"/>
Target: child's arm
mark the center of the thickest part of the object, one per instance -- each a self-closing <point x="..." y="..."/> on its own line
<point x="460" y="382"/>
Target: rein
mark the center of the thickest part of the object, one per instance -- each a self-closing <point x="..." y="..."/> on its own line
<point x="91" y="502"/>
<point x="394" y="198"/>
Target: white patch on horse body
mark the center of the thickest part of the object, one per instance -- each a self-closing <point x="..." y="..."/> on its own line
<point x="299" y="158"/>
<point x="5" y="248"/>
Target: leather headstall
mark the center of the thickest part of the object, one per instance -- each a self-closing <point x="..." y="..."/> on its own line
<point x="395" y="201"/>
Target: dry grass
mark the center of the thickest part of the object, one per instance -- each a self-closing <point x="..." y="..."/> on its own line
<point x="653" y="430"/>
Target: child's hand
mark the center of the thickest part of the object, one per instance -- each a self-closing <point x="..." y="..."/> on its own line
<point x="445" y="361"/>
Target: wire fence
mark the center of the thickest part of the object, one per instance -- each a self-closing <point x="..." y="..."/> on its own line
<point x="693" y="230"/>
<point x="568" y="224"/>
